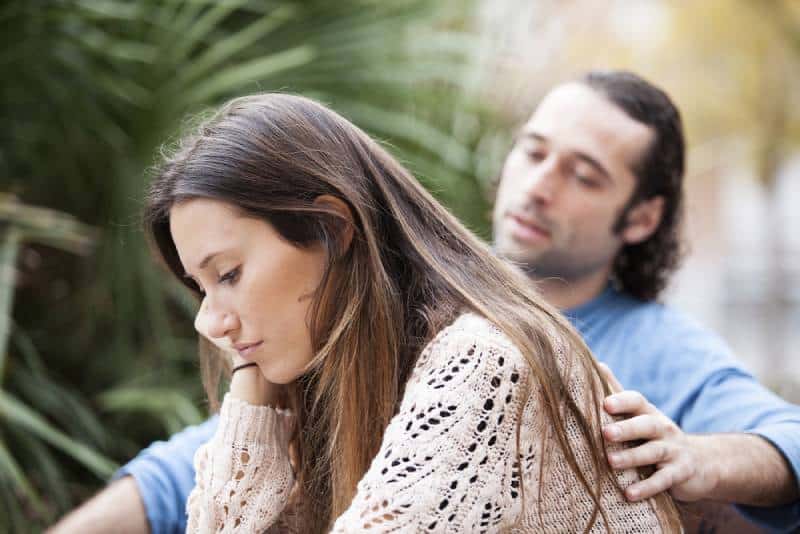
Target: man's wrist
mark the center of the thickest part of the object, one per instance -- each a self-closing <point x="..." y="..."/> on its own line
<point x="710" y="461"/>
<point x="742" y="468"/>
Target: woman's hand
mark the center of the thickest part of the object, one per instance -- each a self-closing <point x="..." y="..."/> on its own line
<point x="250" y="385"/>
<point x="247" y="384"/>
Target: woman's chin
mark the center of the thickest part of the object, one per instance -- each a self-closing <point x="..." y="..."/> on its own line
<point x="279" y="376"/>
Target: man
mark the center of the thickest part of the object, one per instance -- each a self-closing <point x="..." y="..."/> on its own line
<point x="590" y="193"/>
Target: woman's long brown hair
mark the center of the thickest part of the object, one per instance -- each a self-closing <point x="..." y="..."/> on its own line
<point x="409" y="270"/>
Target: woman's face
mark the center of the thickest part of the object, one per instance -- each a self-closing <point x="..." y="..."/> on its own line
<point x="257" y="287"/>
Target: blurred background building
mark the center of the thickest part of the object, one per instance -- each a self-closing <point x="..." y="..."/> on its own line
<point x="732" y="68"/>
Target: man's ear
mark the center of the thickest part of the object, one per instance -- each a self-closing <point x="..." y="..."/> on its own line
<point x="344" y="230"/>
<point x="643" y="220"/>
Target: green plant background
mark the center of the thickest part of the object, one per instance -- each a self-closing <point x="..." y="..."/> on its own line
<point x="98" y="356"/>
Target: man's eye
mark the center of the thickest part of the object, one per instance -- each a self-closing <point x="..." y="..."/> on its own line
<point x="585" y="180"/>
<point x="536" y="155"/>
<point x="230" y="277"/>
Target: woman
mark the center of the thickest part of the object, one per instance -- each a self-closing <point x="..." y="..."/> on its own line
<point x="389" y="374"/>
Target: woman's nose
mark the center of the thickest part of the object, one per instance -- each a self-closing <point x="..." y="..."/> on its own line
<point x="214" y="322"/>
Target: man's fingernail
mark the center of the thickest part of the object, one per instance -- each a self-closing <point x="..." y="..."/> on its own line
<point x="612" y="432"/>
<point x="611" y="403"/>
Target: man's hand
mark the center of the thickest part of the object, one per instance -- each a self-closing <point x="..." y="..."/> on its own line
<point x="678" y="460"/>
<point x="731" y="467"/>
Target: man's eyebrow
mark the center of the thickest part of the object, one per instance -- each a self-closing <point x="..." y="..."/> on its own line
<point x="583" y="156"/>
<point x="594" y="163"/>
<point x="529" y="134"/>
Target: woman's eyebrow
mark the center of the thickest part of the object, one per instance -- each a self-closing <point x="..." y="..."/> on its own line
<point x="207" y="259"/>
<point x="203" y="264"/>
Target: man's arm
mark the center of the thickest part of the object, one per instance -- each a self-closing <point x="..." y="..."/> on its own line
<point x="732" y="467"/>
<point x="118" y="507"/>
<point x="151" y="489"/>
<point x="759" y="464"/>
<point x="157" y="481"/>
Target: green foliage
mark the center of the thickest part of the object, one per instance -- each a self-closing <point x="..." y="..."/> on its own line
<point x="20" y="224"/>
<point x="102" y="354"/>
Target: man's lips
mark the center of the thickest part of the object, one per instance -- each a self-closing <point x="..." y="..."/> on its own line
<point x="526" y="229"/>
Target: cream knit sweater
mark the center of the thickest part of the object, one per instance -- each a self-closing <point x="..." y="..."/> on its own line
<point x="447" y="462"/>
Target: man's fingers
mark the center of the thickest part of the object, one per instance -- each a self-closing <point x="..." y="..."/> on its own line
<point x="661" y="480"/>
<point x="651" y="453"/>
<point x="627" y="402"/>
<point x="605" y="370"/>
<point x="646" y="427"/>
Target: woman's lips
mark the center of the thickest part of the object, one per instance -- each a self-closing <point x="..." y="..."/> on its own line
<point x="526" y="230"/>
<point x="246" y="350"/>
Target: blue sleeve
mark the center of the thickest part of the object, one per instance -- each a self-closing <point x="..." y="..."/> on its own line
<point x="691" y="375"/>
<point x="731" y="400"/>
<point x="716" y="394"/>
<point x="164" y="474"/>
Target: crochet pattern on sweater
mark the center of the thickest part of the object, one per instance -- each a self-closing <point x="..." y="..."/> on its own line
<point x="447" y="462"/>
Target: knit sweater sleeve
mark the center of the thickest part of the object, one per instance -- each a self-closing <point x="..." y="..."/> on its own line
<point x="447" y="462"/>
<point x="243" y="474"/>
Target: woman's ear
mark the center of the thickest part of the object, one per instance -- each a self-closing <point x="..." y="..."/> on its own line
<point x="339" y="208"/>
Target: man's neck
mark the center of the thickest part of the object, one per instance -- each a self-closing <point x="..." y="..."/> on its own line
<point x="568" y="294"/>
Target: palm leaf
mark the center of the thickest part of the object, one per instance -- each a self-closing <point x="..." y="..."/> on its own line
<point x="222" y="51"/>
<point x="242" y="76"/>
<point x="173" y="409"/>
<point x="11" y="472"/>
<point x="18" y="414"/>
<point x="90" y="89"/>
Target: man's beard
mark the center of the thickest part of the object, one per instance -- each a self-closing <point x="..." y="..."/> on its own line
<point x="557" y="264"/>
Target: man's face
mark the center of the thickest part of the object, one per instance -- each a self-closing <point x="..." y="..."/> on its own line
<point x="565" y="183"/>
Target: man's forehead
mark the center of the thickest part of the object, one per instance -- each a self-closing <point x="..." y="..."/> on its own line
<point x="577" y="117"/>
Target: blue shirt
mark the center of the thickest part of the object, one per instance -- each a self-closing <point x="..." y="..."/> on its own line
<point x="690" y="374"/>
<point x="686" y="371"/>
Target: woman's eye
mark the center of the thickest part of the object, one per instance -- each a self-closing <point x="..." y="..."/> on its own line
<point x="229" y="277"/>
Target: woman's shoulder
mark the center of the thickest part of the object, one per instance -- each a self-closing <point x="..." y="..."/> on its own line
<point x="470" y="328"/>
<point x="468" y="349"/>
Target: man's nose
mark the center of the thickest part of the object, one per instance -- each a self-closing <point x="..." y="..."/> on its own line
<point x="544" y="181"/>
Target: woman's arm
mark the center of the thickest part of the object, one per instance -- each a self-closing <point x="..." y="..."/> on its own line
<point x="447" y="460"/>
<point x="244" y="476"/>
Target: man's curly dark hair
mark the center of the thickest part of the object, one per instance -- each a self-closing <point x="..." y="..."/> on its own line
<point x="643" y="270"/>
